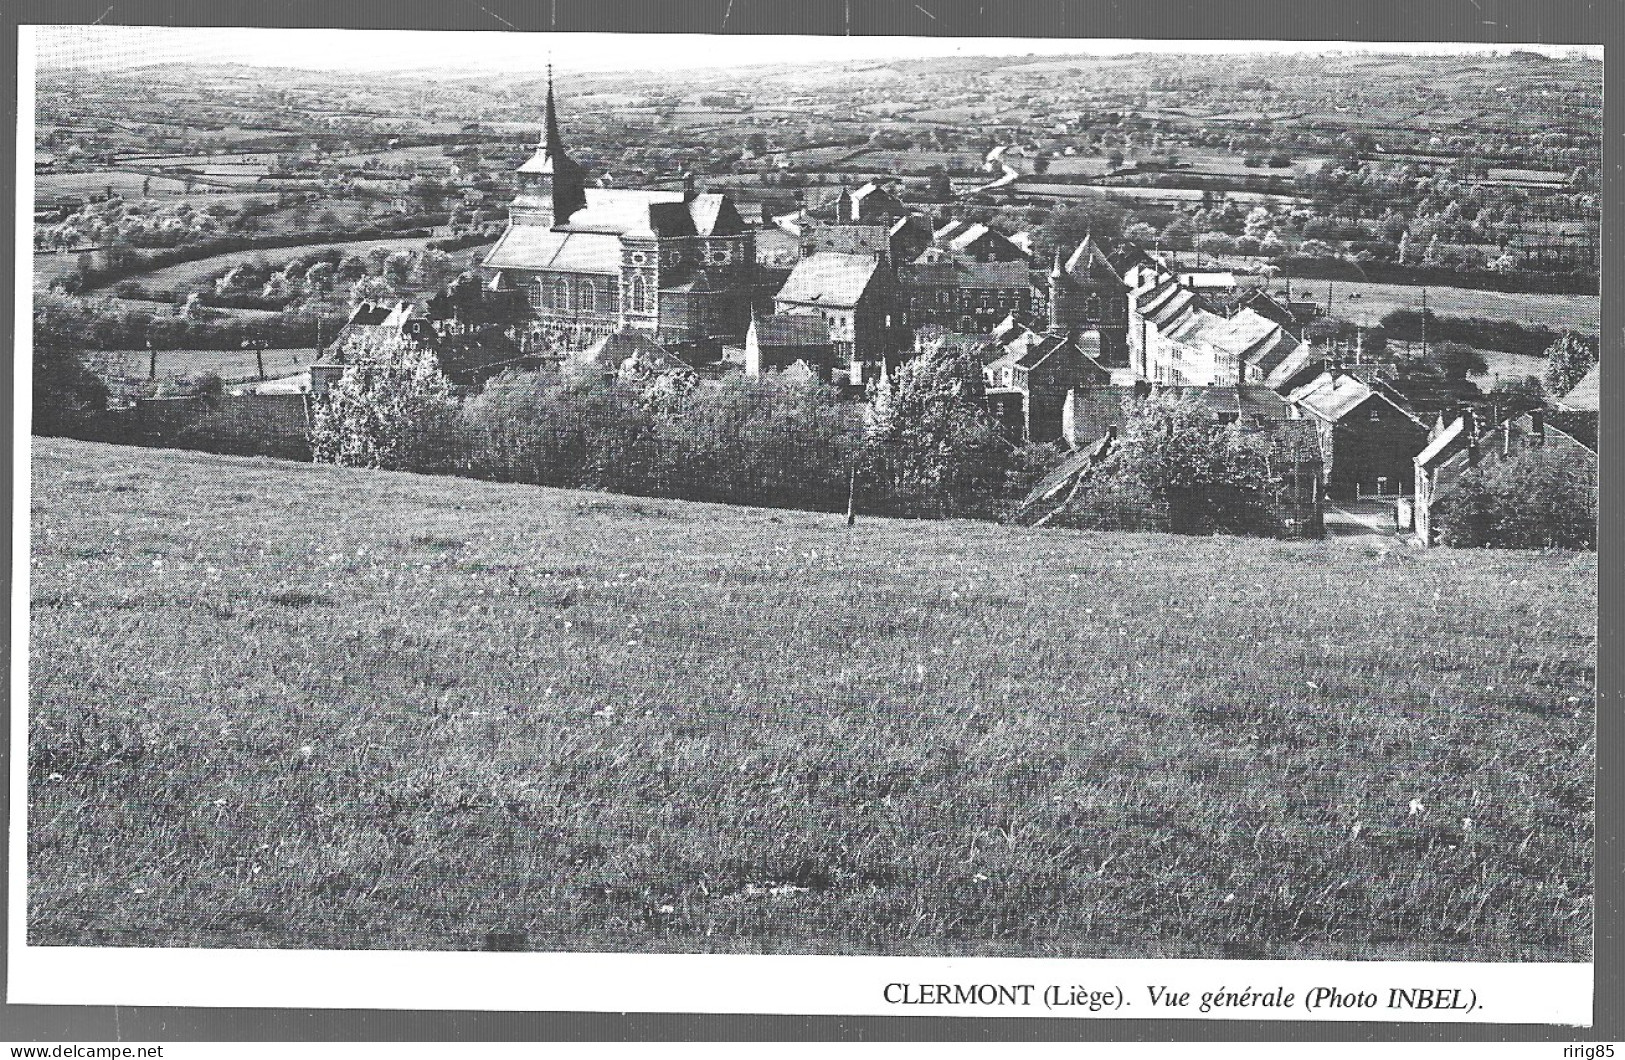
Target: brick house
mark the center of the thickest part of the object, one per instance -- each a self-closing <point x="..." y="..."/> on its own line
<point x="1369" y="437"/>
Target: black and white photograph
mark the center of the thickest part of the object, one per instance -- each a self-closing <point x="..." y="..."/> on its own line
<point x="884" y="497"/>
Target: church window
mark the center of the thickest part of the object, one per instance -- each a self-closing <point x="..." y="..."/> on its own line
<point x="639" y="258"/>
<point x="589" y="297"/>
<point x="561" y="295"/>
<point x="640" y="294"/>
<point x="535" y="295"/>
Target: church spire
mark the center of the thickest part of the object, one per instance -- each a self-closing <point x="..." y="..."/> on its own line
<point x="552" y="142"/>
<point x="561" y="178"/>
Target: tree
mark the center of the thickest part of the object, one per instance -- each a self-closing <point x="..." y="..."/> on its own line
<point x="1067" y="225"/>
<point x="1568" y="360"/>
<point x="68" y="398"/>
<point x="1452" y="360"/>
<point x="387" y="410"/>
<point x="1539" y="498"/>
<point x="1140" y="233"/>
<point x="1114" y="158"/>
<point x="1175" y="465"/>
<point x="928" y="438"/>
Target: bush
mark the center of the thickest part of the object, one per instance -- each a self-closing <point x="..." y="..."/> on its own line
<point x="68" y="398"/>
<point x="1178" y="469"/>
<point x="1568" y="359"/>
<point x="392" y="409"/>
<point x="1536" y="499"/>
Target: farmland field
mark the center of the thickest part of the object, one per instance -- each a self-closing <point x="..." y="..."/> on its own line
<point x="123" y="183"/>
<point x="234" y="366"/>
<point x="1580" y="311"/>
<point x="295" y="706"/>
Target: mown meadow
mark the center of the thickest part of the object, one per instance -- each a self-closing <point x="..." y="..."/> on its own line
<point x="282" y="705"/>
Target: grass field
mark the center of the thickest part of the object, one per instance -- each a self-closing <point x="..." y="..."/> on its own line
<point x="281" y="705"/>
<point x="123" y="183"/>
<point x="1579" y="311"/>
<point x="234" y="366"/>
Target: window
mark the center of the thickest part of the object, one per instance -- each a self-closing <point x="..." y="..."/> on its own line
<point x="561" y="296"/>
<point x="534" y="296"/>
<point x="639" y="302"/>
<point x="589" y="297"/>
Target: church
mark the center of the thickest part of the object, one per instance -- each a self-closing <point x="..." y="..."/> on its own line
<point x="591" y="261"/>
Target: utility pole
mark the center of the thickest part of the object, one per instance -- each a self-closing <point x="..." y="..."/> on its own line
<point x="152" y="361"/>
<point x="1424" y="322"/>
<point x="852" y="495"/>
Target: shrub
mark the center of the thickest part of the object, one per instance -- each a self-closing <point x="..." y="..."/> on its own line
<point x="391" y="409"/>
<point x="1538" y="498"/>
<point x="1179" y="469"/>
<point x="68" y="398"/>
<point x="1568" y="360"/>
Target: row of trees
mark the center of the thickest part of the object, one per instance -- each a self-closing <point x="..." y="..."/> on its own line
<point x="922" y="445"/>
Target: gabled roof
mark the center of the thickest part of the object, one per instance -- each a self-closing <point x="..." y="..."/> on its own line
<point x="829" y="279"/>
<point x="542" y="249"/>
<point x="870" y="189"/>
<point x="1331" y="396"/>
<point x="1087" y="259"/>
<point x="611" y="351"/>
<point x="1444" y="444"/>
<point x="1584" y="396"/>
<point x="1286" y="374"/>
<point x="646" y="214"/>
<point x="1271" y="351"/>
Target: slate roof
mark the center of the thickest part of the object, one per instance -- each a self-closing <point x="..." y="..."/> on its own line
<point x="646" y="214"/>
<point x="611" y="351"/>
<point x="829" y="279"/>
<point x="1087" y="259"/>
<point x="1333" y="395"/>
<point x="1584" y="397"/>
<point x="534" y="247"/>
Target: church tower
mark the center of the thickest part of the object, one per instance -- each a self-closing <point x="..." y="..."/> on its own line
<point x="551" y="185"/>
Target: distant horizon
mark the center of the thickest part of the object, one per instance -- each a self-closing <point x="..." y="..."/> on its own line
<point x="475" y="52"/>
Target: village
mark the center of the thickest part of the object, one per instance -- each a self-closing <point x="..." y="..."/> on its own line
<point x="589" y="276"/>
<point x="982" y="499"/>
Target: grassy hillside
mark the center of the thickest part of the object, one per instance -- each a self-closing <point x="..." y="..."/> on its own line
<point x="279" y="705"/>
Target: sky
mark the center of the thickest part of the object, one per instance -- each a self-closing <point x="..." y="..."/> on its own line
<point x="106" y="47"/>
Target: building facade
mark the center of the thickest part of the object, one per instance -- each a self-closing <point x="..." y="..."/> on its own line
<point x="590" y="261"/>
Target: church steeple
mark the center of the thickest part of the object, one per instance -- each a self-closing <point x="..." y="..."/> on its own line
<point x="552" y="185"/>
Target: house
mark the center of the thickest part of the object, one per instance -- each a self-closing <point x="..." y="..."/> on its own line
<point x="1176" y="337"/>
<point x="1369" y="436"/>
<point x="1463" y="444"/>
<point x="1094" y="416"/>
<point x="592" y="261"/>
<point x="775" y="343"/>
<point x="970" y="296"/>
<point x="972" y="241"/>
<point x="1027" y="384"/>
<point x="870" y="204"/>
<point x="1087" y="292"/>
<point x="610" y="354"/>
<point x="857" y="298"/>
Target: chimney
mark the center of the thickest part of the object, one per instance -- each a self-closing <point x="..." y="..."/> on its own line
<point x="688" y="186"/>
<point x="1537" y="427"/>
